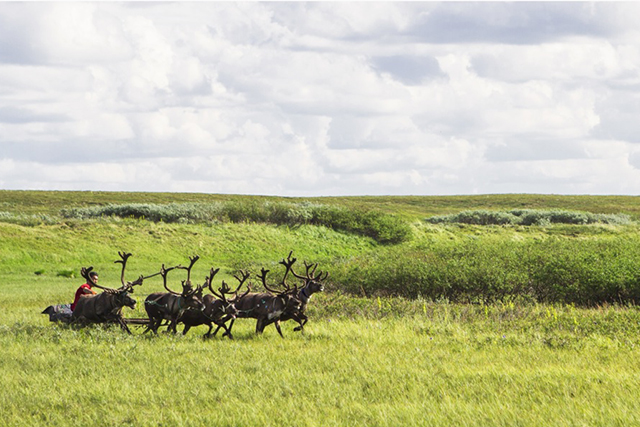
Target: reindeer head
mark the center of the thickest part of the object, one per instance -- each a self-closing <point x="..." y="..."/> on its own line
<point x="312" y="281"/>
<point x="192" y="298"/>
<point x="288" y="295"/>
<point x="124" y="299"/>
<point x="227" y="306"/>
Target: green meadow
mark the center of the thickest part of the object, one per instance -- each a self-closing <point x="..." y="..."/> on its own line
<point x="423" y="322"/>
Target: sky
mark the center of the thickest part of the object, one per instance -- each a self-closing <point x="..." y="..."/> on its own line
<point x="322" y="98"/>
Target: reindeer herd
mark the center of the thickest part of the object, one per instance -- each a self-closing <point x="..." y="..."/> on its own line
<point x="192" y="307"/>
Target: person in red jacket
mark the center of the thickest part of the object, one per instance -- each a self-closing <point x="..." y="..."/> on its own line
<point x="85" y="289"/>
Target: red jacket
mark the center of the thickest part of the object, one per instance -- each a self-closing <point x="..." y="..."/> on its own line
<point x="82" y="290"/>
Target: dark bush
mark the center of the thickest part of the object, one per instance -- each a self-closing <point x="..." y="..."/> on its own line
<point x="554" y="270"/>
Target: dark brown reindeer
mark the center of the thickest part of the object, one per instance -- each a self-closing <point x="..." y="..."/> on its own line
<point x="217" y="308"/>
<point x="312" y="284"/>
<point x="267" y="307"/>
<point x="106" y="307"/>
<point x="172" y="305"/>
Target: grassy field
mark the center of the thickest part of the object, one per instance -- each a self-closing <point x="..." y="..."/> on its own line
<point x="375" y="361"/>
<point x="413" y="207"/>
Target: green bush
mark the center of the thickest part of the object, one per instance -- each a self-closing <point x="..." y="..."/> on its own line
<point x="384" y="228"/>
<point x="553" y="270"/>
<point x="529" y="217"/>
<point x="174" y="212"/>
<point x="27" y="220"/>
<point x="68" y="273"/>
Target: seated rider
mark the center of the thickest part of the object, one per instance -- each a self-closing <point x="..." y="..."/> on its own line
<point x="85" y="289"/>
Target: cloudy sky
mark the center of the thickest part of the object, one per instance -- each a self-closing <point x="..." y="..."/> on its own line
<point x="317" y="99"/>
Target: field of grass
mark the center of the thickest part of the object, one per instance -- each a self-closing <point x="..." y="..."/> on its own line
<point x="367" y="357"/>
<point x="412" y="207"/>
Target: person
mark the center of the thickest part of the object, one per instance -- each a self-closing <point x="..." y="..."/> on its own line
<point x="85" y="289"/>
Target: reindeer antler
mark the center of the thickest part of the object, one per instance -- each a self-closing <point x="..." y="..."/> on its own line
<point x="129" y="286"/>
<point x="263" y="277"/>
<point x="192" y="261"/>
<point x="309" y="275"/>
<point x="163" y="273"/>
<point x="245" y="275"/>
<point x="86" y="273"/>
<point x="208" y="281"/>
<point x="288" y="264"/>
<point x="124" y="257"/>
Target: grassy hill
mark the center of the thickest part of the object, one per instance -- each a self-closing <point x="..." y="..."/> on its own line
<point x="372" y="245"/>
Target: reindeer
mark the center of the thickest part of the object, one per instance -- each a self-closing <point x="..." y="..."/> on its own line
<point x="216" y="311"/>
<point x="106" y="307"/>
<point x="172" y="305"/>
<point x="312" y="284"/>
<point x="267" y="308"/>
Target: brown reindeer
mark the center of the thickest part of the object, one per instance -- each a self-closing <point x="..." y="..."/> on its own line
<point x="106" y="307"/>
<point x="267" y="307"/>
<point x="217" y="308"/>
<point x="312" y="284"/>
<point x="172" y="305"/>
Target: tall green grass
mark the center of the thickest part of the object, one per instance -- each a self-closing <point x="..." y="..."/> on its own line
<point x="438" y="364"/>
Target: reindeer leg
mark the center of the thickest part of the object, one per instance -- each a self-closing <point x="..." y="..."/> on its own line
<point x="208" y="334"/>
<point x="226" y="329"/>
<point x="277" y="322"/>
<point x="173" y="326"/>
<point x="150" y="326"/>
<point x="302" y="320"/>
<point x="124" y="325"/>
<point x="228" y="333"/>
<point x="186" y="329"/>
<point x="156" y="326"/>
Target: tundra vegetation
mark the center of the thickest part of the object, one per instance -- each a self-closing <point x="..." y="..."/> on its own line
<point x="422" y="321"/>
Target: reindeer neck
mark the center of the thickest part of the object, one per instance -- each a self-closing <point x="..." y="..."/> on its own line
<point x="305" y="295"/>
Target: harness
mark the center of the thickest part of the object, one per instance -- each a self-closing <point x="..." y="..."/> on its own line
<point x="305" y="297"/>
<point x="164" y="306"/>
<point x="262" y="302"/>
<point x="154" y="302"/>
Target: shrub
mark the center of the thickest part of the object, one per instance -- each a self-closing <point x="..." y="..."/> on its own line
<point x="529" y="217"/>
<point x="553" y="270"/>
<point x="383" y="228"/>
<point x="27" y="220"/>
<point x="69" y="274"/>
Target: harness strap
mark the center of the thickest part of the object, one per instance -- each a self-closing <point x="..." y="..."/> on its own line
<point x="304" y="294"/>
<point x="153" y="302"/>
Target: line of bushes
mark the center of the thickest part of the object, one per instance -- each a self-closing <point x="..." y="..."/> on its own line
<point x="529" y="217"/>
<point x="552" y="270"/>
<point x="28" y="220"/>
<point x="384" y="228"/>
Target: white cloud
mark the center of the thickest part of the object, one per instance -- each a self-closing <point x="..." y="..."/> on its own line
<point x="320" y="98"/>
